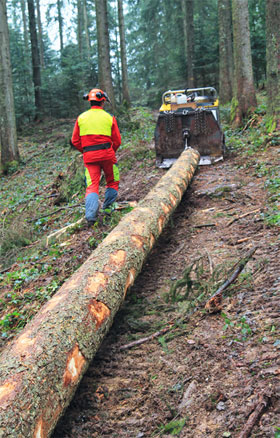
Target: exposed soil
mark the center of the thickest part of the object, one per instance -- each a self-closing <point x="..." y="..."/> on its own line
<point x="210" y="371"/>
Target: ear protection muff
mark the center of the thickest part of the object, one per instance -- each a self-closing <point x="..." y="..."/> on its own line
<point x="96" y="94"/>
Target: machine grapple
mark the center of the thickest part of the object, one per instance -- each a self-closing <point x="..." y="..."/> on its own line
<point x="189" y="118"/>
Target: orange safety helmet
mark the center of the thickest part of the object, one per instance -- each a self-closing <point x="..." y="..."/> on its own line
<point x="97" y="95"/>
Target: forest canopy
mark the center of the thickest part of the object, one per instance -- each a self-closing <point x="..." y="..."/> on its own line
<point x="52" y="53"/>
<point x="154" y="35"/>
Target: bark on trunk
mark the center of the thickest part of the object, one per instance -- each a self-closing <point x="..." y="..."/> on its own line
<point x="41" y="369"/>
<point x="87" y="38"/>
<point x="80" y="28"/>
<point x="25" y="28"/>
<point x="60" y="25"/>
<point x="188" y="26"/>
<point x="104" y="65"/>
<point x="273" y="58"/>
<point x="8" y="133"/>
<point x="40" y="33"/>
<point x="244" y="84"/>
<point x="225" y="51"/>
<point x="35" y="57"/>
<point x="125" y="89"/>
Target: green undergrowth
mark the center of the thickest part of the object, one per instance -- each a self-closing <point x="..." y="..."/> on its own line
<point x="258" y="143"/>
<point x="137" y="142"/>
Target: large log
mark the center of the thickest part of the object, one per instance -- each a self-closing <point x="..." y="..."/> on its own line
<point x="41" y="368"/>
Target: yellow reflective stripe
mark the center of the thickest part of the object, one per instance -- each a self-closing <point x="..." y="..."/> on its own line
<point x="116" y="172"/>
<point x="88" y="178"/>
<point x="95" y="122"/>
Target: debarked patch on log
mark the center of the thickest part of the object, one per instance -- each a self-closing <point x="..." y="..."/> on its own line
<point x="44" y="423"/>
<point x="74" y="364"/>
<point x="8" y="389"/>
<point x="179" y="190"/>
<point x="161" y="221"/>
<point x="95" y="283"/>
<point x="130" y="280"/>
<point x="152" y="240"/>
<point x="39" y="429"/>
<point x="138" y="241"/>
<point x="99" y="312"/>
<point x="166" y="208"/>
<point x="23" y="345"/>
<point x="116" y="261"/>
<point x="173" y="199"/>
<point x="117" y="258"/>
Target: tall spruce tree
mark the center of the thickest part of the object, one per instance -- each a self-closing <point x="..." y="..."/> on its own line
<point x="40" y="33"/>
<point x="125" y="89"/>
<point x="225" y="51"/>
<point x="59" y="4"/>
<point x="244" y="90"/>
<point x="35" y="58"/>
<point x="8" y="134"/>
<point x="104" y="64"/>
<point x="273" y="58"/>
<point x="86" y="29"/>
<point x="188" y="26"/>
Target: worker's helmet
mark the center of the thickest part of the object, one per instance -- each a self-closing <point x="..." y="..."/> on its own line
<point x="97" y="95"/>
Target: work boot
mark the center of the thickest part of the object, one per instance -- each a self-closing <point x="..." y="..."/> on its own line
<point x="110" y="197"/>
<point x="92" y="207"/>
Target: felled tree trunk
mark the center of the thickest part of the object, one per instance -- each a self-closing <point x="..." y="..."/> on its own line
<point x="41" y="368"/>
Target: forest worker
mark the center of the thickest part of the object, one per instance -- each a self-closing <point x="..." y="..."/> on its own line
<point x="97" y="136"/>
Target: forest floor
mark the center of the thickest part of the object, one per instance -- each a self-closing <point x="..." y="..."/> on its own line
<point x="209" y="374"/>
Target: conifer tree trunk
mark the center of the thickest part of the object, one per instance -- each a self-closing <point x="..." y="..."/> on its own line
<point x="60" y="25"/>
<point x="188" y="26"/>
<point x="118" y="76"/>
<point x="225" y="51"/>
<point x="8" y="133"/>
<point x="104" y="65"/>
<point x="244" y="90"/>
<point x="25" y="28"/>
<point x="125" y="89"/>
<point x="35" y="58"/>
<point x="40" y="33"/>
<point x="87" y="39"/>
<point x="80" y="27"/>
<point x="273" y="58"/>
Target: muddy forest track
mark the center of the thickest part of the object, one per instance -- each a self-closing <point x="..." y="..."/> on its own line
<point x="204" y="377"/>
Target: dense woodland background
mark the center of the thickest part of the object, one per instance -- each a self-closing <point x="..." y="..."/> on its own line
<point x="135" y="49"/>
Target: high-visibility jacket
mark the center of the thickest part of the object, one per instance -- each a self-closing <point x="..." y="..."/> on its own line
<point x="96" y="127"/>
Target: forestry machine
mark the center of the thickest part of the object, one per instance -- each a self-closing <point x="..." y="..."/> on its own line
<point x="189" y="118"/>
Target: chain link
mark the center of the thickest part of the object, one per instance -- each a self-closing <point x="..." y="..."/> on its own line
<point x="169" y="122"/>
<point x="200" y="122"/>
